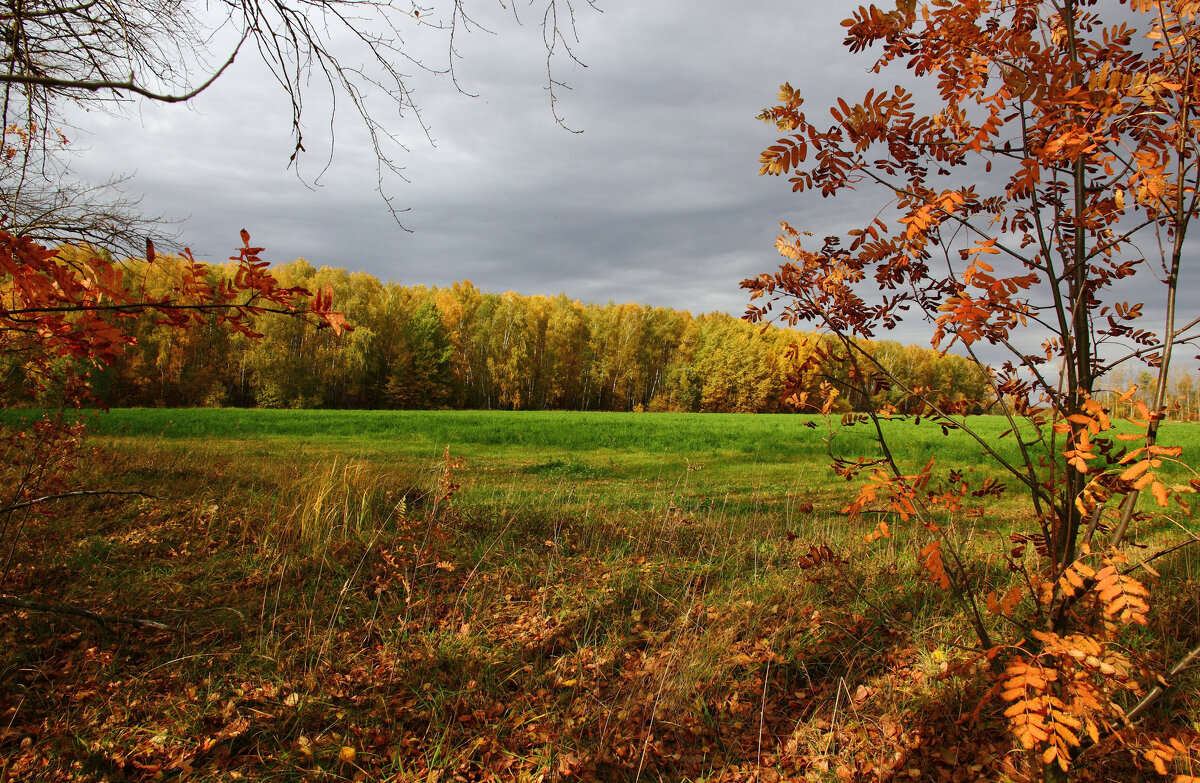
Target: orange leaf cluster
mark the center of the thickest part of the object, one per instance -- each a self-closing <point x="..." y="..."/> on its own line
<point x="73" y="304"/>
<point x="1062" y="694"/>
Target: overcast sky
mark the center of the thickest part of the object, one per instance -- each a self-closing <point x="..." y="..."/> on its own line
<point x="657" y="200"/>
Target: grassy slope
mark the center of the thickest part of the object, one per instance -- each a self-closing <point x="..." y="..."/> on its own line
<point x="585" y="606"/>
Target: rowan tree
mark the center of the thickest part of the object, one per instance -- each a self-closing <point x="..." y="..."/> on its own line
<point x="1040" y="175"/>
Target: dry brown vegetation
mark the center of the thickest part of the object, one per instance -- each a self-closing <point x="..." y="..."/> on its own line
<point x="334" y="619"/>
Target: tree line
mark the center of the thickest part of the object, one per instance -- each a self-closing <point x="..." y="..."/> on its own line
<point x="416" y="347"/>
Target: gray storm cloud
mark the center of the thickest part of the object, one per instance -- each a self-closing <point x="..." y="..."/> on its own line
<point x="657" y="200"/>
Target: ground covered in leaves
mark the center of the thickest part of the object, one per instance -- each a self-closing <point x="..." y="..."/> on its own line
<point x="334" y="620"/>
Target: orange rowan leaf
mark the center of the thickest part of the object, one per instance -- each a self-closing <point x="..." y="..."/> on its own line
<point x="1004" y="605"/>
<point x="1135" y="470"/>
<point x="931" y="560"/>
<point x="882" y="530"/>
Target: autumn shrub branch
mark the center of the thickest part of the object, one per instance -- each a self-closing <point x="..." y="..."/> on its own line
<point x="69" y="310"/>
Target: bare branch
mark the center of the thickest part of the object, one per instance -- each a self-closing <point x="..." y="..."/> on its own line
<point x="1184" y="663"/>
<point x="104" y="620"/>
<point x="122" y="86"/>
<point x="75" y="494"/>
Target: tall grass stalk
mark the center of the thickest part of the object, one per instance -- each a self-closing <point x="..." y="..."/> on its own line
<point x="347" y="500"/>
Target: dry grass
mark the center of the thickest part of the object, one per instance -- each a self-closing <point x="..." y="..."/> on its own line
<point x="346" y="620"/>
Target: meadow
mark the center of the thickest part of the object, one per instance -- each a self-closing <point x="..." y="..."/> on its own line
<point x="630" y="461"/>
<point x="428" y="596"/>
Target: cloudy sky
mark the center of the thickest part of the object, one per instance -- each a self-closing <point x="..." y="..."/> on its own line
<point x="657" y="200"/>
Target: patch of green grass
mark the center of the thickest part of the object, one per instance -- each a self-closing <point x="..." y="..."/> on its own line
<point x="567" y="468"/>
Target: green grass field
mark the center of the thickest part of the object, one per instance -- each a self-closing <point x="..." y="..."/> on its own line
<point x="624" y="597"/>
<point x="633" y="461"/>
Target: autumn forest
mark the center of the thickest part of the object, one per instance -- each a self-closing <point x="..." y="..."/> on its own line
<point x="419" y="348"/>
<point x="458" y="347"/>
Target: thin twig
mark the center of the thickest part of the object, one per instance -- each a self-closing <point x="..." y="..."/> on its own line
<point x="96" y="85"/>
<point x="100" y="619"/>
<point x="1183" y="663"/>
<point x="1142" y="564"/>
<point x="74" y="494"/>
